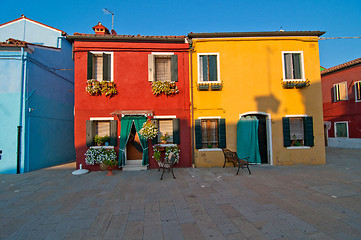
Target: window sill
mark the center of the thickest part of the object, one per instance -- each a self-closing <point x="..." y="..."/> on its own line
<point x="166" y="144"/>
<point x="105" y="147"/>
<point x="300" y="147"/>
<point x="210" y="150"/>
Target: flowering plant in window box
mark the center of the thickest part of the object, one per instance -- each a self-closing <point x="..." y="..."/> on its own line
<point x="101" y="140"/>
<point x="175" y="150"/>
<point x="297" y="84"/>
<point x="149" y="130"/>
<point x="96" y="88"/>
<point x="97" y="156"/>
<point x="216" y="86"/>
<point x="203" y="86"/>
<point x="164" y="87"/>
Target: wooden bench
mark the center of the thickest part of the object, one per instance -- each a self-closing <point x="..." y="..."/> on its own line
<point x="232" y="157"/>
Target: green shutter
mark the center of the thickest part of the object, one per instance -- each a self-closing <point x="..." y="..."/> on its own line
<point x="205" y="67"/>
<point x="90" y="129"/>
<point x="286" y="132"/>
<point x="222" y="133"/>
<point x="212" y="68"/>
<point x="176" y="132"/>
<point x="296" y="59"/>
<point x="174" y="68"/>
<point x="113" y="132"/>
<point x="155" y="140"/>
<point x="106" y="67"/>
<point x="308" y="126"/>
<point x="198" y="133"/>
<point x="90" y="66"/>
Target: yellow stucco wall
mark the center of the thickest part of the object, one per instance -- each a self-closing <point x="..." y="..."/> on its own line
<point x="251" y="71"/>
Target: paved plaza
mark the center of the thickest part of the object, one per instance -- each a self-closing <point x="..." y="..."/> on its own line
<point x="274" y="202"/>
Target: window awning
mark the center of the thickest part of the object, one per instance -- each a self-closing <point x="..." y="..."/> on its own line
<point x="123" y="113"/>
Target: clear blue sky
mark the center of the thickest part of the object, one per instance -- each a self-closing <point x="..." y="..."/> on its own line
<point x="168" y="17"/>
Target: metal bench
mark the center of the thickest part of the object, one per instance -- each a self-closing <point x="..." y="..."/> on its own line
<point x="232" y="157"/>
<point x="167" y="164"/>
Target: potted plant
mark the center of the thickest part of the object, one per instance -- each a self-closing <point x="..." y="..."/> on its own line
<point x="100" y="141"/>
<point x="148" y="130"/>
<point x="111" y="163"/>
<point x="164" y="87"/>
<point x="164" y="138"/>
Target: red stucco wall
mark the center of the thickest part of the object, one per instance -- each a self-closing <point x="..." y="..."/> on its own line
<point x="134" y="91"/>
<point x="348" y="110"/>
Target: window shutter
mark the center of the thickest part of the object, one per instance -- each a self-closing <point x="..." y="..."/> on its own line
<point x="90" y="129"/>
<point x="212" y="68"/>
<point x="176" y="131"/>
<point x="151" y="68"/>
<point x="204" y="62"/>
<point x="222" y="133"/>
<point x="174" y="68"/>
<point x="296" y="59"/>
<point x="106" y="62"/>
<point x="286" y="132"/>
<point x="90" y="66"/>
<point x="155" y="140"/>
<point x="309" y="138"/>
<point x="113" y="132"/>
<point x="198" y="133"/>
<point x="288" y="65"/>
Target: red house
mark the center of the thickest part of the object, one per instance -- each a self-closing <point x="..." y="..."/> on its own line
<point x="341" y="90"/>
<point x="114" y="75"/>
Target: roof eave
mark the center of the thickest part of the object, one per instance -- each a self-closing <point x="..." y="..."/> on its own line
<point x="256" y="34"/>
<point x="112" y="38"/>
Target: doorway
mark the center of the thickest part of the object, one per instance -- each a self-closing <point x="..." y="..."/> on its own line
<point x="263" y="134"/>
<point x="134" y="147"/>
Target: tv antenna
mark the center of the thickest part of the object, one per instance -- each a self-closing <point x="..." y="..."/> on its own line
<point x="106" y="11"/>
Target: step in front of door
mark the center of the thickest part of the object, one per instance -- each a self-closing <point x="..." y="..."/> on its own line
<point x="134" y="165"/>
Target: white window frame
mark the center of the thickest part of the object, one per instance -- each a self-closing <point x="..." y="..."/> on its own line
<point x="164" y="117"/>
<point x="298" y="116"/>
<point x="302" y="66"/>
<point x="357" y="83"/>
<point x="111" y="63"/>
<point x="335" y="130"/>
<point x="334" y="91"/>
<point x="151" y="72"/>
<point x="218" y="68"/>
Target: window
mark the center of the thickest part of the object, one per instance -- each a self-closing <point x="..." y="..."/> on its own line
<point x="101" y="127"/>
<point x="169" y="126"/>
<point x="163" y="67"/>
<point x="358" y="91"/>
<point x="341" y="129"/>
<point x="298" y="131"/>
<point x="208" y="67"/>
<point x="293" y="66"/>
<point x="210" y="133"/>
<point x="99" y="66"/>
<point x="340" y="92"/>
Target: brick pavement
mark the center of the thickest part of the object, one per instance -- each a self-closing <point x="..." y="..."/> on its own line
<point x="275" y="202"/>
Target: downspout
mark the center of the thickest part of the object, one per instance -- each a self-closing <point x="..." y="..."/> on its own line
<point x="20" y="125"/>
<point x="191" y="49"/>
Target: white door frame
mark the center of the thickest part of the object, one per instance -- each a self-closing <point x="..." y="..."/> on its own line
<point x="268" y="130"/>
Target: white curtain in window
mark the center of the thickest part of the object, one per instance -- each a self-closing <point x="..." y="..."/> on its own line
<point x="162" y="68"/>
<point x="296" y="129"/>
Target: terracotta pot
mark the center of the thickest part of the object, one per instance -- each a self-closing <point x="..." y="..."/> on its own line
<point x="110" y="173"/>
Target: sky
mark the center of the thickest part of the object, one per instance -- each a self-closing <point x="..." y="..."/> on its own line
<point x="169" y="17"/>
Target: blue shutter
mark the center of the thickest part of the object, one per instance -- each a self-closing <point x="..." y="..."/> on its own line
<point x="212" y="68"/>
<point x="286" y="132"/>
<point x="222" y="133"/>
<point x="308" y="128"/>
<point x="90" y="66"/>
<point x="198" y="133"/>
<point x="174" y="68"/>
<point x="176" y="132"/>
<point x="113" y="132"/>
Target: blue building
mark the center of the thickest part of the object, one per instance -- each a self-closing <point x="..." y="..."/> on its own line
<point x="36" y="96"/>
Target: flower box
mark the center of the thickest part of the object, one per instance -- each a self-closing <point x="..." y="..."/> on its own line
<point x="203" y="87"/>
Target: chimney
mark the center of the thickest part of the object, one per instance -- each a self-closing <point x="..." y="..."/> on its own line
<point x="99" y="29"/>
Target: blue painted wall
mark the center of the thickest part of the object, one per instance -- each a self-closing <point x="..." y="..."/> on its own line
<point x="46" y="110"/>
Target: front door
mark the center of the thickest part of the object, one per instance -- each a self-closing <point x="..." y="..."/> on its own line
<point x="134" y="147"/>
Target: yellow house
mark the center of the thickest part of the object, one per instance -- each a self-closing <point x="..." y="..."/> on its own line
<point x="259" y="94"/>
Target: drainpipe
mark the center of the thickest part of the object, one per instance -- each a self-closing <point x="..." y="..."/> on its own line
<point x="191" y="49"/>
<point x="20" y="125"/>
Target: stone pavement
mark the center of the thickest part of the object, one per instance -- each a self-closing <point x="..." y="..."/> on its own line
<point x="274" y="202"/>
